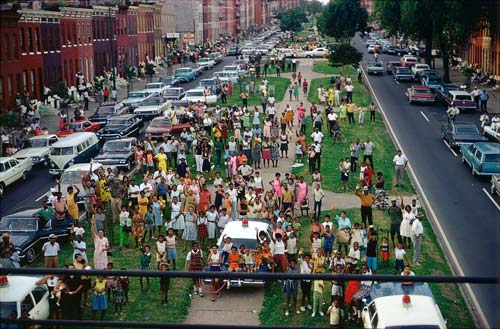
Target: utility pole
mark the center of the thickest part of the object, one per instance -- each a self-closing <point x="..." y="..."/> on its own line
<point x="111" y="37"/>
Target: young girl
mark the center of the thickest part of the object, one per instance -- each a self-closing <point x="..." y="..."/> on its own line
<point x="202" y="230"/>
<point x="164" y="284"/>
<point x="315" y="243"/>
<point x="318" y="286"/>
<point x="384" y="251"/>
<point x="99" y="301"/>
<point x="161" y="251"/>
<point x="334" y="311"/>
<point x="150" y="220"/>
<point x="226" y="249"/>
<point x="125" y="283"/>
<point x="234" y="260"/>
<point x="291" y="289"/>
<point x="291" y="246"/>
<point x="118" y="296"/>
<point x="328" y="239"/>
<point x="248" y="260"/>
<point x="145" y="263"/>
<point x="298" y="153"/>
<point x="56" y="292"/>
<point x="110" y="281"/>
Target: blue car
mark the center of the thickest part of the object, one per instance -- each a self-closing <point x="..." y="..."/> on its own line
<point x="482" y="157"/>
<point x="185" y="74"/>
<point x="432" y="81"/>
<point x="28" y="232"/>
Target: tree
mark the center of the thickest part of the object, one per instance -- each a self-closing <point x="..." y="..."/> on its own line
<point x="311" y="6"/>
<point x="341" y="19"/>
<point x="344" y="55"/>
<point x="291" y="20"/>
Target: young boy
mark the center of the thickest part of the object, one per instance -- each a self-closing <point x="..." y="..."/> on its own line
<point x="149" y="217"/>
<point x="145" y="264"/>
<point x="318" y="286"/>
<point x="118" y="294"/>
<point x="334" y="311"/>
<point x="171" y="240"/>
<point x="291" y="289"/>
<point x="164" y="284"/>
<point x="400" y="255"/>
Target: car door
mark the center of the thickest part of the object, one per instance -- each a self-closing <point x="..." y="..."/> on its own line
<point x="477" y="158"/>
<point x="14" y="171"/>
<point x="27" y="304"/>
<point x="41" y="297"/>
<point x="8" y="173"/>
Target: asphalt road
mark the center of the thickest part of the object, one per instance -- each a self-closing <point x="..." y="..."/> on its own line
<point x="28" y="194"/>
<point x="468" y="217"/>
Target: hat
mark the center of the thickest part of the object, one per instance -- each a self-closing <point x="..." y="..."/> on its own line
<point x="365" y="188"/>
<point x="394" y="200"/>
<point x="52" y="236"/>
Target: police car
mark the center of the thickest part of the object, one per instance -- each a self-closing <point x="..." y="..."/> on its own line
<point x="21" y="293"/>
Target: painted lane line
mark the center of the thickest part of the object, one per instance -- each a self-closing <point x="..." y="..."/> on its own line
<point x="425" y="117"/>
<point x="433" y="219"/>
<point x="449" y="147"/>
<point x="42" y="196"/>
<point x="491" y="198"/>
<point x="397" y="81"/>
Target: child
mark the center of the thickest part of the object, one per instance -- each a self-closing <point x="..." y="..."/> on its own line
<point x="291" y="247"/>
<point x="356" y="235"/>
<point x="99" y="301"/>
<point x="234" y="260"/>
<point x="371" y="251"/>
<point x="298" y="153"/>
<point x="315" y="243"/>
<point x="291" y="288"/>
<point x="328" y="239"/>
<point x="125" y="283"/>
<point x="334" y="311"/>
<point x="110" y="281"/>
<point x="318" y="286"/>
<point x="248" y="260"/>
<point x="202" y="230"/>
<point x="118" y="294"/>
<point x="56" y="292"/>
<point x="296" y="227"/>
<point x="164" y="283"/>
<point x="384" y="251"/>
<point x="171" y="240"/>
<point x="145" y="264"/>
<point x="161" y="251"/>
<point x="125" y="226"/>
<point x="399" y="254"/>
<point x="226" y="249"/>
<point x="150" y="220"/>
<point x="257" y="259"/>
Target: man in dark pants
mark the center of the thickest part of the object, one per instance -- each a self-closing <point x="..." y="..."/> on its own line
<point x="367" y="200"/>
<point x="484" y="101"/>
<point x="396" y="215"/>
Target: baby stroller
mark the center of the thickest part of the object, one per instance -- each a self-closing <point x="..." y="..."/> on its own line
<point x="381" y="199"/>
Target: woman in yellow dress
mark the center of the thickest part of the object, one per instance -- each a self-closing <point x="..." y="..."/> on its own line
<point x="161" y="158"/>
<point x="71" y="202"/>
<point x="331" y="93"/>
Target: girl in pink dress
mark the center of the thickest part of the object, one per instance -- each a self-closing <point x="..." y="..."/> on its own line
<point x="267" y="128"/>
<point x="301" y="191"/>
<point x="234" y="163"/>
<point x="101" y="247"/>
<point x="276" y="184"/>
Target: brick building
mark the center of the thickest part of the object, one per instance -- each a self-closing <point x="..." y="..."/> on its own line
<point x="10" y="55"/>
<point x="483" y="50"/>
<point x="103" y="37"/>
<point x="145" y="32"/>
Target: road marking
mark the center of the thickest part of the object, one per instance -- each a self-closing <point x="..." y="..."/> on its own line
<point x="449" y="147"/>
<point x="433" y="218"/>
<point x="425" y="117"/>
<point x="41" y="197"/>
<point x="397" y="81"/>
<point x="491" y="198"/>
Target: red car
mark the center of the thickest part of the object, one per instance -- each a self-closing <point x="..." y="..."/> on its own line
<point x="78" y="126"/>
<point x="420" y="94"/>
<point x="161" y="126"/>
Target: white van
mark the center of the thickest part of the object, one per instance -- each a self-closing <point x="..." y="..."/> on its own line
<point x="79" y="147"/>
<point x="226" y="76"/>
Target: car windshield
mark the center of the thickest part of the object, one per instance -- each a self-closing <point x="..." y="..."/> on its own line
<point x="151" y="102"/>
<point x="375" y="64"/>
<point x="153" y="86"/>
<point x="71" y="177"/>
<point x="194" y="94"/>
<point x="106" y="110"/>
<point x="75" y="126"/>
<point x="248" y="243"/>
<point x="204" y="83"/>
<point x="409" y="59"/>
<point x="62" y="150"/>
<point x="117" y="122"/>
<point x="404" y="70"/>
<point x="463" y="98"/>
<point x="467" y="130"/>
<point x="136" y="95"/>
<point x="185" y="70"/>
<point x="161" y="123"/>
<point x="423" y="91"/>
<point x="6" y="309"/>
<point x="230" y="68"/>
<point x="495" y="158"/>
<point x="116" y="146"/>
<point x="36" y="143"/>
<point x="18" y="224"/>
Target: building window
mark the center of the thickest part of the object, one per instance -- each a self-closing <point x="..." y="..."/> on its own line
<point x="57" y="46"/>
<point x="30" y="40"/>
<point x="70" y="77"/>
<point x="74" y="35"/>
<point x="33" y="81"/>
<point x="1" y="90"/>
<point x="89" y="33"/>
<point x="65" y="73"/>
<point x="19" y="83"/>
<point x="37" y="40"/>
<point x="23" y="40"/>
<point x="78" y="34"/>
<point x="40" y="82"/>
<point x="7" y="47"/>
<point x="9" y="86"/>
<point x="25" y="80"/>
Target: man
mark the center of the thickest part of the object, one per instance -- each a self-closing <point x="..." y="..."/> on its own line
<point x="246" y="171"/>
<point x="223" y="220"/>
<point x="354" y="148"/>
<point x="396" y="216"/>
<point x="45" y="215"/>
<point x="332" y="120"/>
<point x="367" y="200"/>
<point x="476" y="93"/>
<point x="484" y="100"/>
<point x="244" y="99"/>
<point x="318" y="198"/>
<point x="50" y="252"/>
<point x="417" y="231"/>
<point x="317" y="154"/>
<point x="400" y="162"/>
<point x="117" y="195"/>
<point x="317" y="135"/>
<point x="60" y="206"/>
<point x="7" y="249"/>
<point x="349" y="88"/>
<point x="287" y="198"/>
<point x="368" y="147"/>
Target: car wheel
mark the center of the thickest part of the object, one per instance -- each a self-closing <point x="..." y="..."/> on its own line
<point x="30" y="255"/>
<point x="25" y="175"/>
<point x="2" y="189"/>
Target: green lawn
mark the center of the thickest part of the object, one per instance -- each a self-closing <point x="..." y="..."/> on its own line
<point x="280" y="85"/>
<point x="447" y="296"/>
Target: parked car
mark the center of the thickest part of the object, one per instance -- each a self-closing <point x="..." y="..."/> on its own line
<point x="375" y="68"/>
<point x="392" y="65"/>
<point x="226" y="76"/>
<point x="121" y="126"/>
<point x="459" y="99"/>
<point x="197" y="68"/>
<point x="71" y="176"/>
<point x="152" y="107"/>
<point x="11" y="170"/>
<point x="417" y="69"/>
<point x="135" y="98"/>
<point x="408" y="61"/>
<point x="212" y="84"/>
<point x="420" y="94"/>
<point x="76" y="148"/>
<point x="198" y="95"/>
<point x="492" y="132"/>
<point x="106" y="110"/>
<point x="28" y="234"/>
<point x="174" y="93"/>
<point x="442" y="91"/>
<point x="482" y="157"/>
<point x="495" y="184"/>
<point x="158" y="88"/>
<point x="162" y="126"/>
<point x="37" y="148"/>
<point x="206" y="63"/>
<point x="185" y="74"/>
<point x="170" y="81"/>
<point x="118" y="153"/>
<point x="457" y="134"/>
<point x="21" y="293"/>
<point x="317" y="52"/>
<point x="402" y="74"/>
<point x="233" y="51"/>
<point x="82" y="125"/>
<point x="216" y="56"/>
<point x="432" y="81"/>
<point x="235" y="68"/>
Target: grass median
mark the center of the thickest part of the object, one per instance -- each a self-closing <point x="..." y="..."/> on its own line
<point x="278" y="84"/>
<point x="448" y="296"/>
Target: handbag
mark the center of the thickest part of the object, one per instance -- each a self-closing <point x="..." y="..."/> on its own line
<point x="344" y="236"/>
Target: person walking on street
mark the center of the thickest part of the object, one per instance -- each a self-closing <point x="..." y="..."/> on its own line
<point x="400" y="162"/>
<point x="367" y="200"/>
<point x="476" y="93"/>
<point x="417" y="231"/>
<point x="484" y="100"/>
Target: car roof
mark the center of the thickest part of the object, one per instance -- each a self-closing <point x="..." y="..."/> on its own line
<point x="488" y="147"/>
<point x="420" y="87"/>
<point x="19" y="286"/>
<point x="83" y="167"/>
<point x="43" y="136"/>
<point x="161" y="119"/>
<point x="459" y="92"/>
<point x="236" y="230"/>
<point x="420" y="311"/>
<point x="24" y="213"/>
<point x="130" y="139"/>
<point x="121" y="116"/>
<point x="70" y="139"/>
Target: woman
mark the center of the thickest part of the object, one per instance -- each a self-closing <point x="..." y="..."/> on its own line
<point x="406" y="223"/>
<point x="301" y="191"/>
<point x="296" y="91"/>
<point x="289" y="116"/>
<point x="80" y="264"/>
<point x="256" y="152"/>
<point x="99" y="301"/>
<point x="71" y="202"/>
<point x="284" y="144"/>
<point x="243" y="208"/>
<point x="101" y="247"/>
<point x="266" y="151"/>
<point x="205" y="156"/>
<point x="138" y="226"/>
<point x="190" y="229"/>
<point x="214" y="262"/>
<point x="176" y="216"/>
<point x="275" y="155"/>
<point x="267" y="128"/>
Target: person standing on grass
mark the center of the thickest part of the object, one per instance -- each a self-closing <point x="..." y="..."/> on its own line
<point x="164" y="283"/>
<point x="400" y="162"/>
<point x="396" y="216"/>
<point x="372" y="109"/>
<point x="145" y="264"/>
<point x="350" y="106"/>
<point x="318" y="195"/>
<point x="367" y="148"/>
<point x="291" y="289"/>
<point x="349" y="89"/>
<point x="417" y="231"/>
<point x="318" y="286"/>
<point x="99" y="301"/>
<point x="367" y="200"/>
<point x="194" y="260"/>
<point x="51" y="250"/>
<point x="354" y="148"/>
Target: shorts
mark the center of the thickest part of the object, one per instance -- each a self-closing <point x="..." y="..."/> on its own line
<point x="287" y="205"/>
<point x="215" y="268"/>
<point x="305" y="286"/>
<point x="371" y="262"/>
<point x="171" y="254"/>
<point x="291" y="288"/>
<point x="337" y="290"/>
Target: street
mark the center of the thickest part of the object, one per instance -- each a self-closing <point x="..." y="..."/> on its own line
<point x="460" y="202"/>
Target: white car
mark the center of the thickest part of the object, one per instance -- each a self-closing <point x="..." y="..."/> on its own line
<point x="318" y="52"/>
<point x="37" y="148"/>
<point x="492" y="131"/>
<point x="198" y="95"/>
<point x="156" y="87"/>
<point x="21" y="293"/>
<point x="235" y="68"/>
<point x="419" y="68"/>
<point x="12" y="169"/>
<point x="206" y="63"/>
<point x="152" y="107"/>
<point x="399" y="311"/>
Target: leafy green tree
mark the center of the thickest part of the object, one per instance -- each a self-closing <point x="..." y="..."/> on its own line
<point x="292" y="20"/>
<point x="311" y="6"/>
<point x="345" y="55"/>
<point x="341" y="19"/>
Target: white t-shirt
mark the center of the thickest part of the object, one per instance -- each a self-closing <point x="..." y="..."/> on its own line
<point x="124" y="215"/>
<point x="349" y="88"/>
<point x="399" y="253"/>
<point x="317" y="136"/>
<point x="147" y="188"/>
<point x="329" y="224"/>
<point x="318" y="194"/>
<point x="400" y="160"/>
<point x="332" y="116"/>
<point x="354" y="254"/>
<point x="133" y="191"/>
<point x="79" y="231"/>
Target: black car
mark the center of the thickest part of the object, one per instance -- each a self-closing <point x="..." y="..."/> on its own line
<point x="121" y="126"/>
<point x="107" y="110"/>
<point x="403" y="74"/>
<point x="28" y="233"/>
<point x="442" y="91"/>
<point x="118" y="153"/>
<point x="394" y="50"/>
<point x="170" y="80"/>
<point x="459" y="134"/>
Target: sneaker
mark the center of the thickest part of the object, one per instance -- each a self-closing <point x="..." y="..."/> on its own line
<point x="217" y="295"/>
<point x="286" y="313"/>
<point x="201" y="294"/>
<point x="309" y="307"/>
<point x="302" y="309"/>
<point x="195" y="292"/>
<point x="297" y="311"/>
<point x="321" y="313"/>
<point x="313" y="315"/>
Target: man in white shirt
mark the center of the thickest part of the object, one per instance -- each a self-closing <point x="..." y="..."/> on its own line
<point x="348" y="89"/>
<point x="417" y="231"/>
<point x="318" y="198"/>
<point x="368" y="147"/>
<point x="159" y="174"/>
<point x="400" y="161"/>
<point x="146" y="188"/>
<point x="246" y="171"/>
<point x="317" y="135"/>
<point x="332" y="119"/>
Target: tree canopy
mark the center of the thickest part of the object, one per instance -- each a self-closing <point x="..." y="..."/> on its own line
<point x="341" y="19"/>
<point x="292" y="19"/>
<point x="311" y="6"/>
<point x="345" y="54"/>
